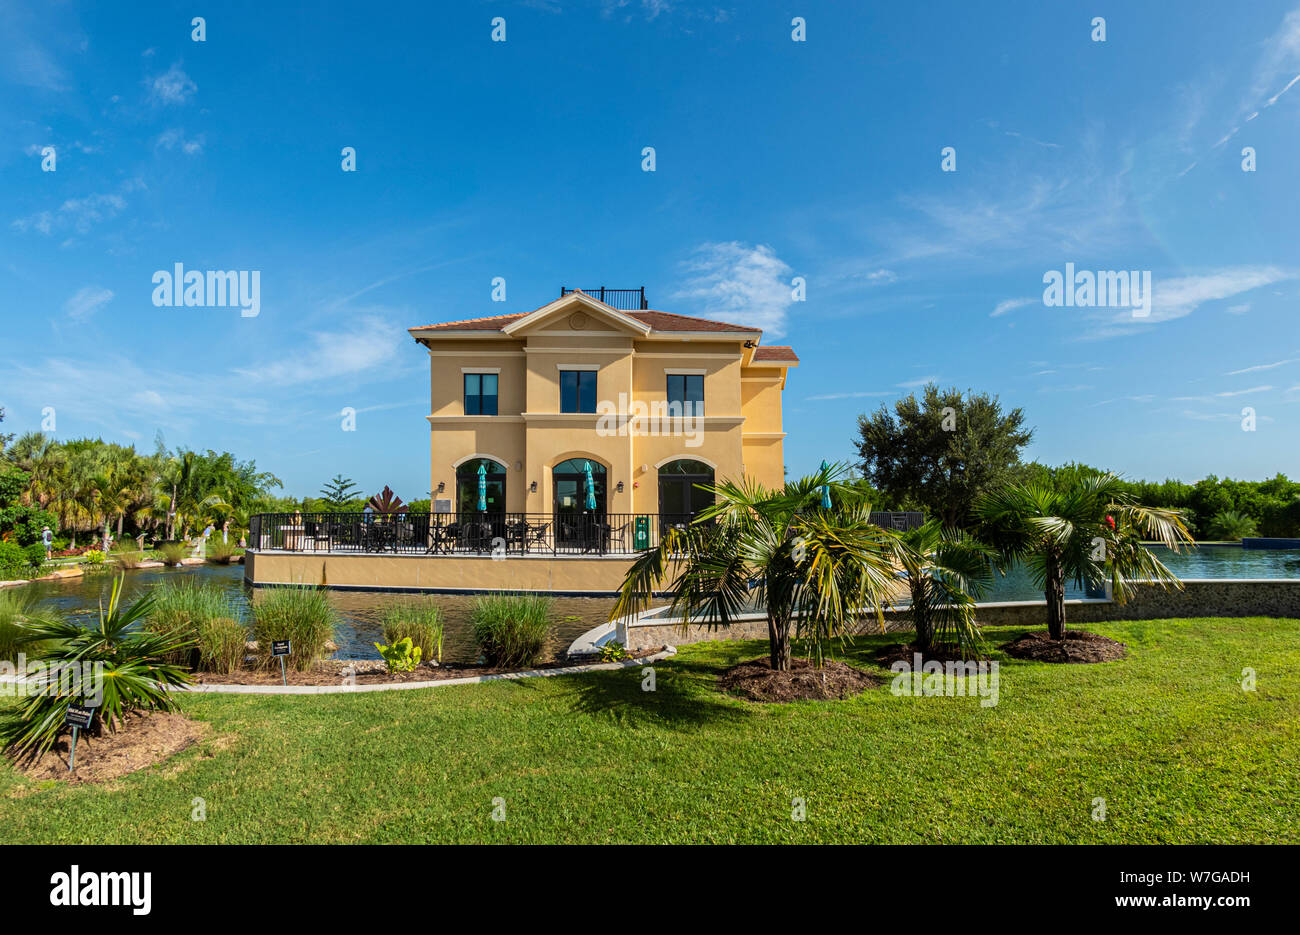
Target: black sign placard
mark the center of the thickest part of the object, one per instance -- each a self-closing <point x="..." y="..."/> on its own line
<point x="77" y="716"/>
<point x="279" y="647"/>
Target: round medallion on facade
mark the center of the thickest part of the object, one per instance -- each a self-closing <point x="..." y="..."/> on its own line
<point x="578" y="321"/>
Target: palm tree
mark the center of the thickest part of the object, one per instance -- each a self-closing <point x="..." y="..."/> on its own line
<point x="812" y="570"/>
<point x="1088" y="531"/>
<point x="946" y="573"/>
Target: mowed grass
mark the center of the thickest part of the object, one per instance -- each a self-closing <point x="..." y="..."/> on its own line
<point x="1167" y="737"/>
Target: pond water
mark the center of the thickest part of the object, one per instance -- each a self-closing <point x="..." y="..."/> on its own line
<point x="360" y="611"/>
<point x="1206" y="561"/>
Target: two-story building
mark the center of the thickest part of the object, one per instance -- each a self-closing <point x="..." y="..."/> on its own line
<point x="561" y="441"/>
<point x="653" y="403"/>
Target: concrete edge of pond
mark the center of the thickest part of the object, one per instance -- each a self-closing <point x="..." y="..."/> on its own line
<point x="434" y="683"/>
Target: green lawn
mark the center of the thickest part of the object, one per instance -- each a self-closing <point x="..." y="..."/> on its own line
<point x="1179" y="752"/>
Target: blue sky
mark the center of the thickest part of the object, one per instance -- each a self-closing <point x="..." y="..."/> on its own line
<point x="774" y="159"/>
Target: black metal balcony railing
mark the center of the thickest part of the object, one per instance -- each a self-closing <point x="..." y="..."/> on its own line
<point x="478" y="533"/>
<point x="629" y="300"/>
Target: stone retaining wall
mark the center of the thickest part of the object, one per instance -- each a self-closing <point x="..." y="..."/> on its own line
<point x="1199" y="598"/>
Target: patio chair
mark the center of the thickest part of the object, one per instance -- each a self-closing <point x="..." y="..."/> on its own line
<point x="535" y="536"/>
<point x="617" y="536"/>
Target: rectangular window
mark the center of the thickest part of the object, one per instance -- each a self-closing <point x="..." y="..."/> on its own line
<point x="480" y="394"/>
<point x="686" y="393"/>
<point x="577" y="391"/>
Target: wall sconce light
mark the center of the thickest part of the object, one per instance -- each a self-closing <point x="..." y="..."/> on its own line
<point x="619" y="488"/>
<point x="532" y="488"/>
<point x="442" y="485"/>
<point x="644" y="468"/>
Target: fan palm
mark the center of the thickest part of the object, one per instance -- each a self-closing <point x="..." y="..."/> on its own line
<point x="1089" y="531"/>
<point x="126" y="664"/>
<point x="946" y="573"/>
<point x="813" y="571"/>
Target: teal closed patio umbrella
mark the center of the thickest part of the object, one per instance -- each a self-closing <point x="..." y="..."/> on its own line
<point x="482" y="488"/>
<point x="591" y="485"/>
<point x="826" y="490"/>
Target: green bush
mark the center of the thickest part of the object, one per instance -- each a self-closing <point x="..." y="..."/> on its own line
<point x="221" y="553"/>
<point x="418" y="618"/>
<point x="223" y="643"/>
<point x="93" y="557"/>
<point x="173" y="552"/>
<point x="35" y="555"/>
<point x="13" y="561"/>
<point x="301" y="614"/>
<point x="402" y="656"/>
<point x="183" y="608"/>
<point x="1230" y="526"/>
<point x="511" y="629"/>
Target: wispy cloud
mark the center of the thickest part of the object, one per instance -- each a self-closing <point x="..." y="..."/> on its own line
<point x="87" y="301"/>
<point x="371" y="344"/>
<point x="171" y="87"/>
<point x="78" y="214"/>
<point x="1181" y="296"/>
<point x="741" y="283"/>
<point x="919" y="381"/>
<point x="1258" y="367"/>
<point x="1247" y="392"/>
<point x="176" y="139"/>
<point x="1008" y="305"/>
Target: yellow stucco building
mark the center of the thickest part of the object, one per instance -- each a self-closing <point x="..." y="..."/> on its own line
<point x="655" y="403"/>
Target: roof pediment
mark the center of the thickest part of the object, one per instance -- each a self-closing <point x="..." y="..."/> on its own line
<point x="578" y="310"/>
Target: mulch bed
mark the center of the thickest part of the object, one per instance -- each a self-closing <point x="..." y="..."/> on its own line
<point x="1079" y="646"/>
<point x="373" y="671"/>
<point x="142" y="740"/>
<point x="906" y="653"/>
<point x="756" y="681"/>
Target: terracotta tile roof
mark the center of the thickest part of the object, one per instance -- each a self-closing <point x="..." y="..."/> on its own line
<point x="659" y="321"/>
<point x="776" y="352"/>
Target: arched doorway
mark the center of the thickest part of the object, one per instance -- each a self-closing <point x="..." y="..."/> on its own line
<point x="467" y="487"/>
<point x="572" y="517"/>
<point x="680" y="496"/>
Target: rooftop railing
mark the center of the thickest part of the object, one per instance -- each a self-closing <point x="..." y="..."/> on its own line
<point x="632" y="300"/>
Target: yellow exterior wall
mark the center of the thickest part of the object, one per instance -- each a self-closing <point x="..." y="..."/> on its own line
<point x="570" y="574"/>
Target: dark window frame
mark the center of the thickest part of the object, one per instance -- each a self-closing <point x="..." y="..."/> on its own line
<point x="681" y="389"/>
<point x="578" y="391"/>
<point x="476" y="403"/>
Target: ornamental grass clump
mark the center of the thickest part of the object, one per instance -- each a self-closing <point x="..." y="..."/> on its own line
<point x="301" y="614"/>
<point x="511" y="629"/>
<point x="418" y="618"/>
<point x="185" y="609"/>
<point x="17" y="611"/>
<point x="173" y="553"/>
<point x="221" y="553"/>
<point x="223" y="643"/>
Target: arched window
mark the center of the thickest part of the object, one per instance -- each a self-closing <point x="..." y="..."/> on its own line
<point x="680" y="493"/>
<point x="467" y="494"/>
<point x="570" y="480"/>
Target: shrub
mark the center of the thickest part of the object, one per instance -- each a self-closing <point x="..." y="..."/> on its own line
<point x="94" y="557"/>
<point x="127" y="557"/>
<point x="136" y="674"/>
<point x="511" y="629"/>
<point x="401" y="656"/>
<point x="301" y="614"/>
<point x="221" y="553"/>
<point x="183" y="609"/>
<point x="613" y="651"/>
<point x="1229" y="526"/>
<point x="223" y="643"/>
<point x="418" y="618"/>
<point x="172" y="553"/>
<point x="13" y="561"/>
<point x="35" y="554"/>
